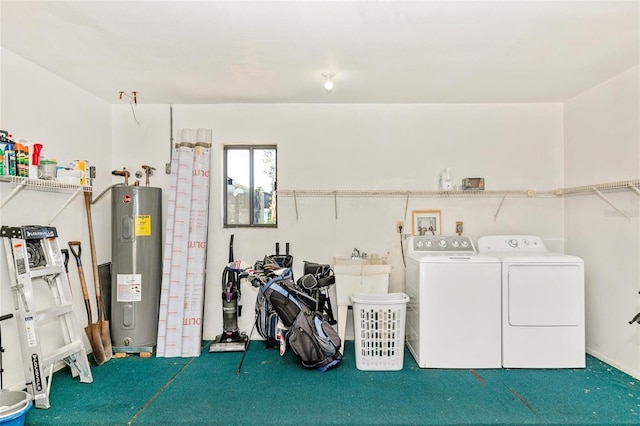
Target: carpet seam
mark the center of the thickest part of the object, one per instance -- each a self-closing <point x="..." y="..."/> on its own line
<point x="157" y="394"/>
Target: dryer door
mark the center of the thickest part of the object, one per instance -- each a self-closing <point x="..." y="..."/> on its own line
<point x="545" y="295"/>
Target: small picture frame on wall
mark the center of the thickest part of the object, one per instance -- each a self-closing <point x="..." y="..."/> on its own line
<point x="425" y="222"/>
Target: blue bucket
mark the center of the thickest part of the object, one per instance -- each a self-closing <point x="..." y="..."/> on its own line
<point x="14" y="407"/>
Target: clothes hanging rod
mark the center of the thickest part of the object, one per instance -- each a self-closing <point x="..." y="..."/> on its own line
<point x="618" y="186"/>
<point x="405" y="193"/>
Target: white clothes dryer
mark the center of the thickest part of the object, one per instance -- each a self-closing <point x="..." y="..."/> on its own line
<point x="453" y="315"/>
<point x="543" y="323"/>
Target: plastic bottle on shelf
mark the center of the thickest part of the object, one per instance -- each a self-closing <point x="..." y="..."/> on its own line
<point x="445" y="181"/>
<point x="10" y="156"/>
<point x="34" y="160"/>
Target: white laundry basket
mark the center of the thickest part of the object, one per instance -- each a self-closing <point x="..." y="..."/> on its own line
<point x="378" y="325"/>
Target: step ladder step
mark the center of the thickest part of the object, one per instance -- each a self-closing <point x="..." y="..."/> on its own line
<point x="63" y="352"/>
<point x="49" y="270"/>
<point x="54" y="312"/>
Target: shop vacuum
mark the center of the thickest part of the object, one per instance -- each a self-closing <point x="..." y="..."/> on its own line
<point x="136" y="276"/>
<point x="231" y="339"/>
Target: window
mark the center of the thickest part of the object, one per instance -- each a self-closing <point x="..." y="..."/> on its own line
<point x="251" y="183"/>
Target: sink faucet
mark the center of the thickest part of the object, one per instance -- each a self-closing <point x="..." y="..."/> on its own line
<point x="358" y="255"/>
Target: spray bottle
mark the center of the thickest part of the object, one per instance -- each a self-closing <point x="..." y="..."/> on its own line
<point x="445" y="182"/>
<point x="10" y="158"/>
<point x="24" y="158"/>
<point x="35" y="161"/>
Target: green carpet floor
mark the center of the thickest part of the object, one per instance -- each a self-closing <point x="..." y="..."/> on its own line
<point x="275" y="390"/>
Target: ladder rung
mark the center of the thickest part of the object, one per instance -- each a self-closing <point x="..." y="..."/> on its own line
<point x="63" y="352"/>
<point x="56" y="311"/>
<point x="49" y="270"/>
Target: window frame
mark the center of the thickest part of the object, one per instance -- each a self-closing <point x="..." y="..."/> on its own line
<point x="251" y="148"/>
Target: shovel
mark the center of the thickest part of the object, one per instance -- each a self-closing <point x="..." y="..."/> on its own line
<point x="105" y="334"/>
<point x="92" y="330"/>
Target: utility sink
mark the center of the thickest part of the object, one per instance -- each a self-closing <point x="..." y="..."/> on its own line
<point x="361" y="266"/>
<point x="358" y="275"/>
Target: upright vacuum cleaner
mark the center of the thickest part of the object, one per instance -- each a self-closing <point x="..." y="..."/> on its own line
<point x="231" y="339"/>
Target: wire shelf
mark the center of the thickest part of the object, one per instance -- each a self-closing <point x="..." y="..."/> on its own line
<point x="44" y="185"/>
<point x="597" y="189"/>
<point x="528" y="193"/>
<point x="619" y="186"/>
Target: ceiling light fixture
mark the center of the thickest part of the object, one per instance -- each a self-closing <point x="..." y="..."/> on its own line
<point x="328" y="84"/>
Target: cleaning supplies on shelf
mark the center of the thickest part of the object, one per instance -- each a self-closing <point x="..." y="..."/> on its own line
<point x="69" y="175"/>
<point x="47" y="169"/>
<point x="445" y="180"/>
<point x="34" y="160"/>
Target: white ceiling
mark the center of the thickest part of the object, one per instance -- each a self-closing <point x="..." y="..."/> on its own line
<point x="185" y="52"/>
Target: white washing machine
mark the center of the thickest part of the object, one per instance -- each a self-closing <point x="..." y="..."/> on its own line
<point x="453" y="315"/>
<point x="542" y="303"/>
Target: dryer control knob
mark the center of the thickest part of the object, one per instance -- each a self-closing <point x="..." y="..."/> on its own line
<point x="442" y="243"/>
<point x="513" y="243"/>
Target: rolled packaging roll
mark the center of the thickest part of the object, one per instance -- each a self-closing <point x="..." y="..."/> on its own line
<point x="203" y="135"/>
<point x="187" y="136"/>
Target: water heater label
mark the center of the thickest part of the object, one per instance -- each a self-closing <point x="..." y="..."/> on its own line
<point x="143" y="225"/>
<point x="129" y="287"/>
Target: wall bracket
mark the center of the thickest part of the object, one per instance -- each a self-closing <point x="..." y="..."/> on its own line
<point x="606" y="200"/>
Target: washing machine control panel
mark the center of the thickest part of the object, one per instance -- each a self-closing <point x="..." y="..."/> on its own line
<point x="511" y="243"/>
<point x="441" y="244"/>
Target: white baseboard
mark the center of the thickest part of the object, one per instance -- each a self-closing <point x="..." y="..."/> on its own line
<point x="633" y="373"/>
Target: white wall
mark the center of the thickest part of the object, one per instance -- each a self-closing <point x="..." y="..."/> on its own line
<point x="602" y="144"/>
<point x="330" y="147"/>
<point x="71" y="124"/>
<point x="400" y="147"/>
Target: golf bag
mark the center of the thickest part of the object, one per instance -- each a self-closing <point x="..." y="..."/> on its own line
<point x="267" y="321"/>
<point x="309" y="334"/>
<point x="315" y="282"/>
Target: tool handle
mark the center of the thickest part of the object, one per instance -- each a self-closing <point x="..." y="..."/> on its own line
<point x="231" y="249"/>
<point x="83" y="286"/>
<point x="7" y="316"/>
<point x="76" y="254"/>
<point x="94" y="263"/>
<point x="65" y="253"/>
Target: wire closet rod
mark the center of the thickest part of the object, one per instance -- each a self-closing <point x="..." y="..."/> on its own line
<point x="530" y="193"/>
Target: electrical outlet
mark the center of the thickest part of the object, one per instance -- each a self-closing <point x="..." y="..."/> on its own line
<point x="459" y="227"/>
<point x="399" y="226"/>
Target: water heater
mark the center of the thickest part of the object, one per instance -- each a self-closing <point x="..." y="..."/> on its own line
<point x="136" y="276"/>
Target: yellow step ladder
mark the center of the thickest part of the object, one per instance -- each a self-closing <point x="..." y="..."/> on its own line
<point x="43" y="306"/>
